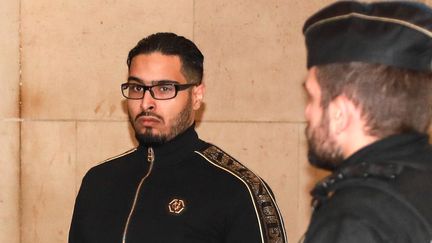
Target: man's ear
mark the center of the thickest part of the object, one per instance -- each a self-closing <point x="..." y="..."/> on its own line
<point x="197" y="96"/>
<point x="340" y="114"/>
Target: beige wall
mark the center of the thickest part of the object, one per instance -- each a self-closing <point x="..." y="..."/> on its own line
<point x="9" y="121"/>
<point x="71" y="116"/>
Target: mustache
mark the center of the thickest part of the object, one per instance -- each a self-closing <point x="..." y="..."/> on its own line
<point x="148" y="114"/>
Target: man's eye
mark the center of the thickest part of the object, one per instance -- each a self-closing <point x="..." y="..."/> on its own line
<point x="135" y="88"/>
<point x="165" y="88"/>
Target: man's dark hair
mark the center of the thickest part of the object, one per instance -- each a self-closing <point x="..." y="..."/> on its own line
<point x="171" y="44"/>
<point x="392" y="100"/>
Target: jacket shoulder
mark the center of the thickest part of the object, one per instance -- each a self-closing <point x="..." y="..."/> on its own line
<point x="115" y="159"/>
<point x="113" y="165"/>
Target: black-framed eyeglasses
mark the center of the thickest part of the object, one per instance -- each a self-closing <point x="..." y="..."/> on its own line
<point x="161" y="91"/>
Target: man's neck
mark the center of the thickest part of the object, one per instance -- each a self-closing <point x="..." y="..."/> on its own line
<point x="355" y="142"/>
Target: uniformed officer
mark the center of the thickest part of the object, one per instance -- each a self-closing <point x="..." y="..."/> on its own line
<point x="368" y="113"/>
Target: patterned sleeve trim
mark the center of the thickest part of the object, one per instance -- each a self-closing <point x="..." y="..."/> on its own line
<point x="268" y="215"/>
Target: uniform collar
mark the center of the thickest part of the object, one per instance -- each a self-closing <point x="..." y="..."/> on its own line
<point x="391" y="149"/>
<point x="385" y="159"/>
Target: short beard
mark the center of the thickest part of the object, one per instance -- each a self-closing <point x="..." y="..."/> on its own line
<point x="149" y="139"/>
<point x="180" y="124"/>
<point x="323" y="151"/>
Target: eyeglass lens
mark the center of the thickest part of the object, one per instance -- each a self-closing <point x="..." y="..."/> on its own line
<point x="160" y="91"/>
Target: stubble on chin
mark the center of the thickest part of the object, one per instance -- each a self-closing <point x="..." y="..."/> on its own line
<point x="323" y="150"/>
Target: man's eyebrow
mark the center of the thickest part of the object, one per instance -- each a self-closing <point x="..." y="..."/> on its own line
<point x="155" y="82"/>
<point x="133" y="78"/>
<point x="164" y="81"/>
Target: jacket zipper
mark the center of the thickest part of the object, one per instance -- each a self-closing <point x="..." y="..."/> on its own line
<point x="150" y="159"/>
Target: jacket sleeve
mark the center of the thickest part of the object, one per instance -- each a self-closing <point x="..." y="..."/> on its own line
<point x="75" y="232"/>
<point x="256" y="218"/>
<point x="243" y="226"/>
<point x="259" y="205"/>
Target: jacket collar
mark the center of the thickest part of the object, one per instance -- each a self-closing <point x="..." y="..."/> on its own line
<point x="175" y="150"/>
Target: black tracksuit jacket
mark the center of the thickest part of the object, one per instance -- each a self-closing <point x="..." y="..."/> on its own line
<point x="192" y="192"/>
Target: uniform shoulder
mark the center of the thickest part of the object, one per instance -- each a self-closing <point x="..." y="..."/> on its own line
<point x="355" y="201"/>
<point x="343" y="228"/>
<point x="348" y="215"/>
<point x="368" y="210"/>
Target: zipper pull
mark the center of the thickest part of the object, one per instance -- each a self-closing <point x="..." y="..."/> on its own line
<point x="150" y="155"/>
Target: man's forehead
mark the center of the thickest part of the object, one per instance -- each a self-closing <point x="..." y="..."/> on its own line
<point x="155" y="62"/>
<point x="154" y="67"/>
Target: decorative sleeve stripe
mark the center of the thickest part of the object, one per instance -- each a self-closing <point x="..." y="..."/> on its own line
<point x="120" y="155"/>
<point x="268" y="214"/>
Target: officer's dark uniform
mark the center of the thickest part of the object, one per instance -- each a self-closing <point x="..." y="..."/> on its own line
<point x="382" y="193"/>
<point x="183" y="191"/>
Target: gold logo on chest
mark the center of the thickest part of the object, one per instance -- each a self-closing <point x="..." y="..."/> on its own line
<point x="176" y="206"/>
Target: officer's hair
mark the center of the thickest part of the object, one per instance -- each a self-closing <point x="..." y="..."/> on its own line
<point x="171" y="44"/>
<point x="392" y="100"/>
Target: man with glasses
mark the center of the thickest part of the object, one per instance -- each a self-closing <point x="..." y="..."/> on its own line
<point x="174" y="187"/>
<point x="369" y="89"/>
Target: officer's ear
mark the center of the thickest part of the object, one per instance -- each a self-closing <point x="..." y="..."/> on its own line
<point x="197" y="96"/>
<point x="340" y="114"/>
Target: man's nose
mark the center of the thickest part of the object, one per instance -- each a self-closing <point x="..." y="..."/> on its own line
<point x="148" y="102"/>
